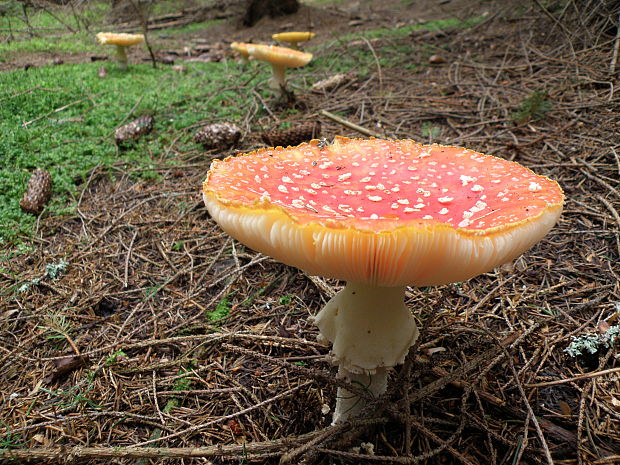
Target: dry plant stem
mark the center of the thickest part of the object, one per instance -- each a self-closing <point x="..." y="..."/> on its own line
<point x="594" y="374"/>
<point x="530" y="413"/>
<point x="292" y="455"/>
<point x="68" y="455"/>
<point x="614" y="56"/>
<point x="349" y="124"/>
<point x="144" y="21"/>
<point x="371" y="330"/>
<point x="374" y="55"/>
<point x="227" y="417"/>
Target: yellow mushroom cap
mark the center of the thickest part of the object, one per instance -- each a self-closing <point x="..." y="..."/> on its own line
<point x="279" y="56"/>
<point x="241" y="48"/>
<point x="122" y="38"/>
<point x="293" y="36"/>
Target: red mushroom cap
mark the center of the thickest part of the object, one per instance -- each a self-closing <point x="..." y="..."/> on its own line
<point x="386" y="212"/>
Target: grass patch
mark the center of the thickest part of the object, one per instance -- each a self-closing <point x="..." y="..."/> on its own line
<point x="10" y="440"/>
<point x="354" y="51"/>
<point x="64" y="32"/>
<point x="221" y="311"/>
<point x="61" y="30"/>
<point x="18" y="17"/>
<point x="399" y="32"/>
<point x="81" y="42"/>
<point x="62" y="118"/>
<point x="533" y="108"/>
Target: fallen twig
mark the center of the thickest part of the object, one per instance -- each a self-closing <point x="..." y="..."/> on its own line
<point x="594" y="374"/>
<point x="349" y="124"/>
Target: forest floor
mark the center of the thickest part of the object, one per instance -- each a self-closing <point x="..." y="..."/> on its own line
<point x="135" y="327"/>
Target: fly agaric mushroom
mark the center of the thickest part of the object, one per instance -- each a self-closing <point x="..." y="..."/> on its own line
<point x="279" y="58"/>
<point x="122" y="41"/>
<point x="381" y="215"/>
<point x="242" y="49"/>
<point x="292" y="39"/>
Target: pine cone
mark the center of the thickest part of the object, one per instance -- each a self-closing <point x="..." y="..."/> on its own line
<point x="38" y="192"/>
<point x="293" y="136"/>
<point x="133" y="131"/>
<point x="220" y="136"/>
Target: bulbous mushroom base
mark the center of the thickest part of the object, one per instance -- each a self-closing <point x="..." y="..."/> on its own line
<point x="371" y="330"/>
<point x="349" y="405"/>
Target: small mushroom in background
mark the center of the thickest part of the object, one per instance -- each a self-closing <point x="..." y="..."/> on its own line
<point x="122" y="41"/>
<point x="242" y="50"/>
<point x="38" y="192"/>
<point x="131" y="132"/>
<point x="293" y="39"/>
<point x="294" y="135"/>
<point x="381" y="215"/>
<point x="220" y="136"/>
<point x="102" y="72"/>
<point x="279" y="58"/>
<point x="436" y="60"/>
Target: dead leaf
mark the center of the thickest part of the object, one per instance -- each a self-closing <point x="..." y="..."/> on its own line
<point x="235" y="427"/>
<point x="64" y="366"/>
<point x="565" y="408"/>
<point x="41" y="439"/>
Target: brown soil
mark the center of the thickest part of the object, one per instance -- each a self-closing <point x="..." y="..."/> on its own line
<point x="91" y="362"/>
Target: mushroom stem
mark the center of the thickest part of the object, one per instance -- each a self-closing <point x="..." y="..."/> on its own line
<point x="371" y="330"/>
<point x="278" y="78"/>
<point x="349" y="405"/>
<point x="121" y="57"/>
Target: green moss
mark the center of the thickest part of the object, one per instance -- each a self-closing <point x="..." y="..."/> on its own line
<point x="62" y="118"/>
<point x="222" y="309"/>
